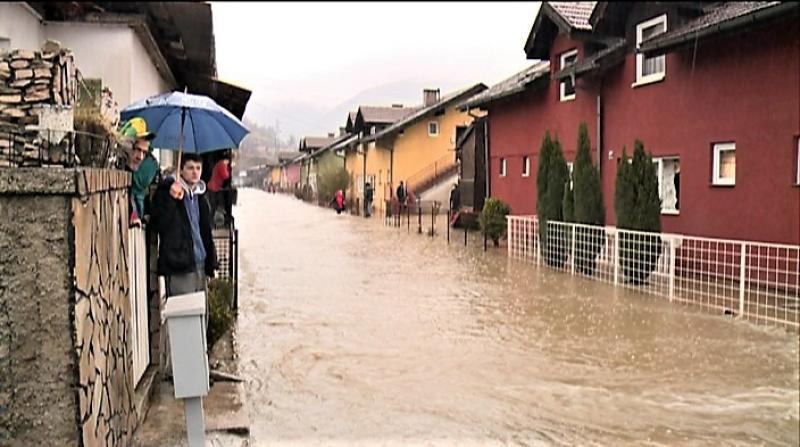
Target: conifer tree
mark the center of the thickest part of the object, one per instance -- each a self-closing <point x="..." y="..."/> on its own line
<point x="551" y="181"/>
<point x="589" y="206"/>
<point x="638" y="207"/>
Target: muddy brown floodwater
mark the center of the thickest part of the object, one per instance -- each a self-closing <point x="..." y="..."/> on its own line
<point x="352" y="333"/>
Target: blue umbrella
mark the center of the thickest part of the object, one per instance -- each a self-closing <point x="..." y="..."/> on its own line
<point x="189" y="123"/>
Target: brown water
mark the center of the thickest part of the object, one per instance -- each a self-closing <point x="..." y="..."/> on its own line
<point x="353" y="333"/>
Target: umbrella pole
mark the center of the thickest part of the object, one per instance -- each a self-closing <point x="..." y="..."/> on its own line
<point x="180" y="142"/>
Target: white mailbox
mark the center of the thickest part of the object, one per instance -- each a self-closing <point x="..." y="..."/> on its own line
<point x="186" y="324"/>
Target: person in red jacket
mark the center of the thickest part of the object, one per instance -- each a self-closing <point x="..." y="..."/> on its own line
<point x="219" y="186"/>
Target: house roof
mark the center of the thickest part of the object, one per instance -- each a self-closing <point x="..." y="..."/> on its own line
<point x="335" y="144"/>
<point x="178" y="36"/>
<point x="716" y="18"/>
<point x="511" y="86"/>
<point x="571" y="18"/>
<point x="287" y="155"/>
<point x="351" y="121"/>
<point x="382" y="115"/>
<point x="575" y="13"/>
<point x="610" y="55"/>
<point x="313" y="143"/>
<point x="422" y="112"/>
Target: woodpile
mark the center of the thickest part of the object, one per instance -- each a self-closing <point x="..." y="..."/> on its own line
<point x="32" y="82"/>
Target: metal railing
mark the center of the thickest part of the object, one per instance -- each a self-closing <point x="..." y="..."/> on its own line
<point x="226" y="244"/>
<point x="140" y="326"/>
<point x="420" y="180"/>
<point x="753" y="280"/>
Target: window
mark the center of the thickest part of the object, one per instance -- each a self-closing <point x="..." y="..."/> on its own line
<point x="502" y="167"/>
<point x="668" y="172"/>
<point x="526" y="166"/>
<point x="433" y="129"/>
<point x="798" y="161"/>
<point x="724" y="172"/>
<point x="567" y="86"/>
<point x="5" y="43"/>
<point x="650" y="69"/>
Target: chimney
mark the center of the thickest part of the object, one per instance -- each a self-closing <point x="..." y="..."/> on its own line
<point x="430" y="97"/>
<point x="397" y="106"/>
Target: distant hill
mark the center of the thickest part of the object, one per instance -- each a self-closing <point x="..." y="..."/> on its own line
<point x="407" y="93"/>
<point x="302" y="118"/>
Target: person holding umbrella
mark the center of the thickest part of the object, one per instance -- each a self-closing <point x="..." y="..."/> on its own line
<point x="182" y="217"/>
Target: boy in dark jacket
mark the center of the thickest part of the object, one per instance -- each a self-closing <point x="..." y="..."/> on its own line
<point x="182" y="218"/>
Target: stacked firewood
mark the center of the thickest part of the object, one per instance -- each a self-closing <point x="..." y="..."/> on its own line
<point x="35" y="84"/>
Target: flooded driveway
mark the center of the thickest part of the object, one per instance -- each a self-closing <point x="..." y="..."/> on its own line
<point x="352" y="333"/>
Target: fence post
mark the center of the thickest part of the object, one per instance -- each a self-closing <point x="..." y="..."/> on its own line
<point x="572" y="250"/>
<point x="449" y="216"/>
<point x="616" y="257"/>
<point x="742" y="271"/>
<point x="408" y="217"/>
<point x="432" y="229"/>
<point x="465" y="235"/>
<point x="419" y="213"/>
<point x="671" y="268"/>
<point x="537" y="252"/>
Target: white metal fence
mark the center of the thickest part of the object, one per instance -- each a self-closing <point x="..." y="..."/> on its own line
<point x="754" y="280"/>
<point x="140" y="330"/>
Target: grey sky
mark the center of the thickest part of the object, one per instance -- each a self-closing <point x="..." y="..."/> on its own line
<point x="307" y="58"/>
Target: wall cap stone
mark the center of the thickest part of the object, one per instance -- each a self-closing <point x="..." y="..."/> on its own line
<point x="61" y="181"/>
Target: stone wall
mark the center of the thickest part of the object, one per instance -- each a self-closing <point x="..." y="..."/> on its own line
<point x="64" y="312"/>
<point x="37" y="365"/>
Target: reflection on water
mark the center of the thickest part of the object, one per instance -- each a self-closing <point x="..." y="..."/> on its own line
<point x="353" y="333"/>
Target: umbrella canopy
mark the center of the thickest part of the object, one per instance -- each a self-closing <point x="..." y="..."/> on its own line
<point x="206" y="126"/>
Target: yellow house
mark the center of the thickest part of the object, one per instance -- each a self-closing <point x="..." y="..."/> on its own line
<point x="363" y="160"/>
<point x="418" y="149"/>
<point x="275" y="175"/>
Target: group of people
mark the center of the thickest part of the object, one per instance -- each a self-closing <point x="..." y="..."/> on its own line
<point x="181" y="210"/>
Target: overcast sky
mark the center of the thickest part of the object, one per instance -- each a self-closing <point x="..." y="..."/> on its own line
<point x="326" y="53"/>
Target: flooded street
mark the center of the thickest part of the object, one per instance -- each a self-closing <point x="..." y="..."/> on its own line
<point x="352" y="333"/>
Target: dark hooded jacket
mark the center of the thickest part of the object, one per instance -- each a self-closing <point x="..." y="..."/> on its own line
<point x="171" y="221"/>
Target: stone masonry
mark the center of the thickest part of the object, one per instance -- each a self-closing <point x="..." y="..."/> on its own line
<point x="65" y="357"/>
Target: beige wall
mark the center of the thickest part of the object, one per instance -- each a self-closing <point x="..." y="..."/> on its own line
<point x="112" y="52"/>
<point x="101" y="51"/>
<point x="378" y="168"/>
<point x="145" y="78"/>
<point x="20" y="25"/>
<point x="415" y="150"/>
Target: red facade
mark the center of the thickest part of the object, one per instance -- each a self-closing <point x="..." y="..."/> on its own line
<point x="742" y="88"/>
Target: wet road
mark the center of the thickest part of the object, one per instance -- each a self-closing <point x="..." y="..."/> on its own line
<point x="352" y="333"/>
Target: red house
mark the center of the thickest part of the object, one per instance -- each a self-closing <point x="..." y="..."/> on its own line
<point x="703" y="85"/>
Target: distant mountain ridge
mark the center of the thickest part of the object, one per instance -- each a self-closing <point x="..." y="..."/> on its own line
<point x="302" y="118"/>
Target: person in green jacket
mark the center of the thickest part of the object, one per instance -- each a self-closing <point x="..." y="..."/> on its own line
<point x="139" y="161"/>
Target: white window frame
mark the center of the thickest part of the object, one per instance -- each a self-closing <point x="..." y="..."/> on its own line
<point x="718" y="148"/>
<point x="655" y="77"/>
<point x="797" y="180"/>
<point x="561" y="85"/>
<point x="659" y="162"/>
<point x="502" y="167"/>
<point x="526" y="166"/>
<point x="433" y="134"/>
